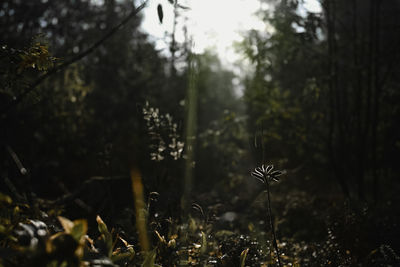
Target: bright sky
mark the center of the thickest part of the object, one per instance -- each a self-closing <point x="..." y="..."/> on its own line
<point x="215" y="24"/>
<point x="211" y="23"/>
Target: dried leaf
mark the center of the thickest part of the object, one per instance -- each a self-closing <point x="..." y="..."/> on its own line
<point x="66" y="224"/>
<point x="160" y="238"/>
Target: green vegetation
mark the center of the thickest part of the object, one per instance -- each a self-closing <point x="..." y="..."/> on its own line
<point x="114" y="153"/>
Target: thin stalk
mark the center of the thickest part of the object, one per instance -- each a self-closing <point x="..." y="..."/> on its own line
<point x="191" y="127"/>
<point x="271" y="223"/>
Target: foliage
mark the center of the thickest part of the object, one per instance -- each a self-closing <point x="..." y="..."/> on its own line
<point x="316" y="97"/>
<point x="322" y="103"/>
<point x="156" y="123"/>
<point x="47" y="245"/>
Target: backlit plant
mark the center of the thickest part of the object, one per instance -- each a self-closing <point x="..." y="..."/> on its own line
<point x="265" y="174"/>
<point x="162" y="131"/>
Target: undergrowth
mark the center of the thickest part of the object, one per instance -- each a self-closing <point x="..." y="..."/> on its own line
<point x="38" y="235"/>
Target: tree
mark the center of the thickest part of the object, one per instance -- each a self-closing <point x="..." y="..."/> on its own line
<point x="74" y="116"/>
<point x="318" y="86"/>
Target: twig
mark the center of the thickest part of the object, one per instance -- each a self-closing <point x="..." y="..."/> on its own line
<point x="17" y="161"/>
<point x="65" y="64"/>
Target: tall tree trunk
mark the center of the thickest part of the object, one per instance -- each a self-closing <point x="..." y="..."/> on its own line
<point x="329" y="9"/>
<point x="358" y="98"/>
<point x="377" y="94"/>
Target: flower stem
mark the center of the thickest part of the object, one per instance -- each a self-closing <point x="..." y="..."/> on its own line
<point x="271" y="223"/>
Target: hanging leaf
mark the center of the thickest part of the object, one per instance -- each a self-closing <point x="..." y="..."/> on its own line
<point x="160" y="13"/>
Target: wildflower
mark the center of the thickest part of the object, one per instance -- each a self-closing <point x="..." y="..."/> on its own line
<point x="265" y="173"/>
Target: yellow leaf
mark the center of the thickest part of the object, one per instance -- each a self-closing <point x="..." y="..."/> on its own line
<point x="66" y="224"/>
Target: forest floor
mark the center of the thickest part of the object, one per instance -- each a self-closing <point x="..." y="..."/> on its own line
<point x="313" y="229"/>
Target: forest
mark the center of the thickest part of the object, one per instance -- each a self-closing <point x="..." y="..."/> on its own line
<point x="114" y="152"/>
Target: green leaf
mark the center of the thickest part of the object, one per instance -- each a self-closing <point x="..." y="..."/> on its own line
<point x="203" y="248"/>
<point x="79" y="230"/>
<point x="105" y="234"/>
<point x="243" y="256"/>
